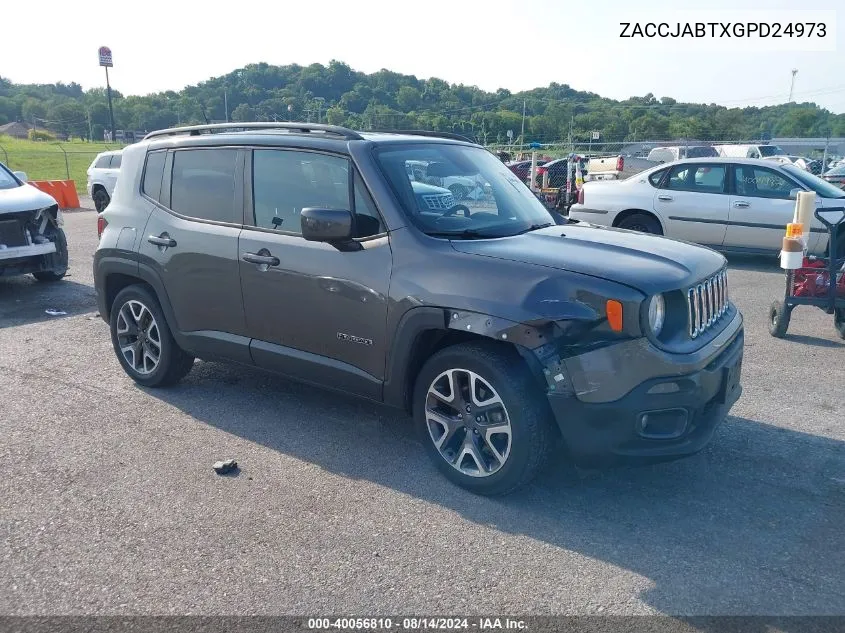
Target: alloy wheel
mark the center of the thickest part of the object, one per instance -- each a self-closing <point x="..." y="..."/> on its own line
<point x="139" y="337"/>
<point x="468" y="422"/>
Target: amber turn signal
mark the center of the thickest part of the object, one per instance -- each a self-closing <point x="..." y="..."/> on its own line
<point x="614" y="315"/>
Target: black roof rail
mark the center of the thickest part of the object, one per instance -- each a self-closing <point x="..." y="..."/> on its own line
<point x="304" y="128"/>
<point x="449" y="135"/>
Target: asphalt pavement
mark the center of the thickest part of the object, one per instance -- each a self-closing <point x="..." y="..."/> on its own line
<point x="109" y="505"/>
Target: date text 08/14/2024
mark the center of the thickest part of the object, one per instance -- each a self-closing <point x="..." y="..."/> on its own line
<point x="416" y="624"/>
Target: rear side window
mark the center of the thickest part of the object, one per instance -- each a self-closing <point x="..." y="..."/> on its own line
<point x="115" y="161"/>
<point x="656" y="177"/>
<point x="103" y="162"/>
<point x="697" y="177"/>
<point x="153" y="171"/>
<point x="203" y="184"/>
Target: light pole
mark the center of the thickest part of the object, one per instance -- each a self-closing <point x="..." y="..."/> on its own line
<point x="792" y="84"/>
<point x="105" y="56"/>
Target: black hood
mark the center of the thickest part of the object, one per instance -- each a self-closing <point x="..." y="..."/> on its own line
<point x="648" y="263"/>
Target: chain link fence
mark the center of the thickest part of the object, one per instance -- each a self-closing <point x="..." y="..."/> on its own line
<point x="52" y="161"/>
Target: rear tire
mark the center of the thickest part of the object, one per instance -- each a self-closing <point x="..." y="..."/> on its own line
<point x="779" y="316"/>
<point x="642" y="222"/>
<point x="58" y="260"/>
<point x="143" y="341"/>
<point x="494" y="442"/>
<point x="101" y="199"/>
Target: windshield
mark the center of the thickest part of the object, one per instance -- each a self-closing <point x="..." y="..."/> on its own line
<point x="821" y="187"/>
<point x="460" y="192"/>
<point x="771" y="150"/>
<point x="7" y="180"/>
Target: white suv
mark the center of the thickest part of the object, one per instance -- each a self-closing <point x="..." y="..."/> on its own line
<point x="102" y="177"/>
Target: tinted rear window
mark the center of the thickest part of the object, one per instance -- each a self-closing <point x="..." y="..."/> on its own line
<point x="701" y="152"/>
<point x="115" y="161"/>
<point x="152" y="174"/>
<point x="203" y="184"/>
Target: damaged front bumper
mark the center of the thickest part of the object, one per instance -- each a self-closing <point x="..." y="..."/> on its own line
<point x="631" y="402"/>
<point x="25" y="240"/>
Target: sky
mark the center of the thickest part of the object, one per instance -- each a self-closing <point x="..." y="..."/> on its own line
<point x="165" y="45"/>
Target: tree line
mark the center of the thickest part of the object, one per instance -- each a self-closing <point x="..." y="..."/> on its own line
<point x="337" y="94"/>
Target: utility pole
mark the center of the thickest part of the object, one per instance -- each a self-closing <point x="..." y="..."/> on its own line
<point x="226" y="102"/>
<point x="824" y="158"/>
<point x="792" y="84"/>
<point x="571" y="122"/>
<point x="522" y="134"/>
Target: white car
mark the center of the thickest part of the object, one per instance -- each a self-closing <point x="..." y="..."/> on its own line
<point x="31" y="236"/>
<point x="730" y="204"/>
<point x="102" y="177"/>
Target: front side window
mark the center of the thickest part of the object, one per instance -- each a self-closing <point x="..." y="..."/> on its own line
<point x="697" y="177"/>
<point x="203" y="184"/>
<point x="760" y="182"/>
<point x="285" y="182"/>
<point x="450" y="190"/>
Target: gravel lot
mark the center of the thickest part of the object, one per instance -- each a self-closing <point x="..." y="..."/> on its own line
<point x="108" y="504"/>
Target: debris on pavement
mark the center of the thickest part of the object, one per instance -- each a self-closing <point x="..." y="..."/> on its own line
<point x="54" y="312"/>
<point x="225" y="467"/>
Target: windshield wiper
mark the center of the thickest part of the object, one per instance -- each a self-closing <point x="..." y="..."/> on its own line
<point x="466" y="234"/>
<point x="534" y="227"/>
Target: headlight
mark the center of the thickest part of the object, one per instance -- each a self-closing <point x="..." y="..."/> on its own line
<point x="656" y="314"/>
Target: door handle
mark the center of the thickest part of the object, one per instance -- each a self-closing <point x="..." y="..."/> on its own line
<point x="665" y="198"/>
<point x="261" y="260"/>
<point x="162" y="240"/>
<point x="741" y="204"/>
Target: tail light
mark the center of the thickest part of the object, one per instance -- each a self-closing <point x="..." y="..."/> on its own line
<point x="581" y="195"/>
<point x="541" y="171"/>
<point x="102" y="223"/>
<point x="620" y="163"/>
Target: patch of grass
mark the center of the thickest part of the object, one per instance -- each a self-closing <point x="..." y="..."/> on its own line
<point x="46" y="161"/>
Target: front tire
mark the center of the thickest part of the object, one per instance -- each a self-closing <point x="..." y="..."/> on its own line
<point x="779" y="316"/>
<point x="58" y="260"/>
<point x="143" y="341"/>
<point x="482" y="418"/>
<point x="642" y="222"/>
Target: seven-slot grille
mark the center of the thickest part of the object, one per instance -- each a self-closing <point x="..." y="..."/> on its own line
<point x="439" y="201"/>
<point x="708" y="301"/>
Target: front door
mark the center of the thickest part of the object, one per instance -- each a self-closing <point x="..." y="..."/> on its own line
<point x="760" y="208"/>
<point x="693" y="203"/>
<point x="315" y="310"/>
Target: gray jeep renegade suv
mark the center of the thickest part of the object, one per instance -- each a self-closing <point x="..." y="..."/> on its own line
<point x="417" y="271"/>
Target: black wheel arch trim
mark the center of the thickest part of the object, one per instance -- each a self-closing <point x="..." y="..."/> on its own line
<point x="415" y="321"/>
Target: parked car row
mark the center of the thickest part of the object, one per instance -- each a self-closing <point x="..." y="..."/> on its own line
<point x="731" y="204"/>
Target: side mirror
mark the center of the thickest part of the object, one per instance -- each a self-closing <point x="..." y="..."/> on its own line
<point x="20" y="175"/>
<point x="793" y="193"/>
<point x="326" y="225"/>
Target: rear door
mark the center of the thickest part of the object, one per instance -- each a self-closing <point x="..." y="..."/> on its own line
<point x="760" y="208"/>
<point x="693" y="202"/>
<point x="191" y="241"/>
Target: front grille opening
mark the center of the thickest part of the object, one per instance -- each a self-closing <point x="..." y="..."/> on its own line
<point x="12" y="233"/>
<point x="707" y="302"/>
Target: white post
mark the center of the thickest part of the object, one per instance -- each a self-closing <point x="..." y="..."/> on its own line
<point x="533" y="171"/>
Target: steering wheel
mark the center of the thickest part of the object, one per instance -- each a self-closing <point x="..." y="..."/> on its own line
<point x="454" y="211"/>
